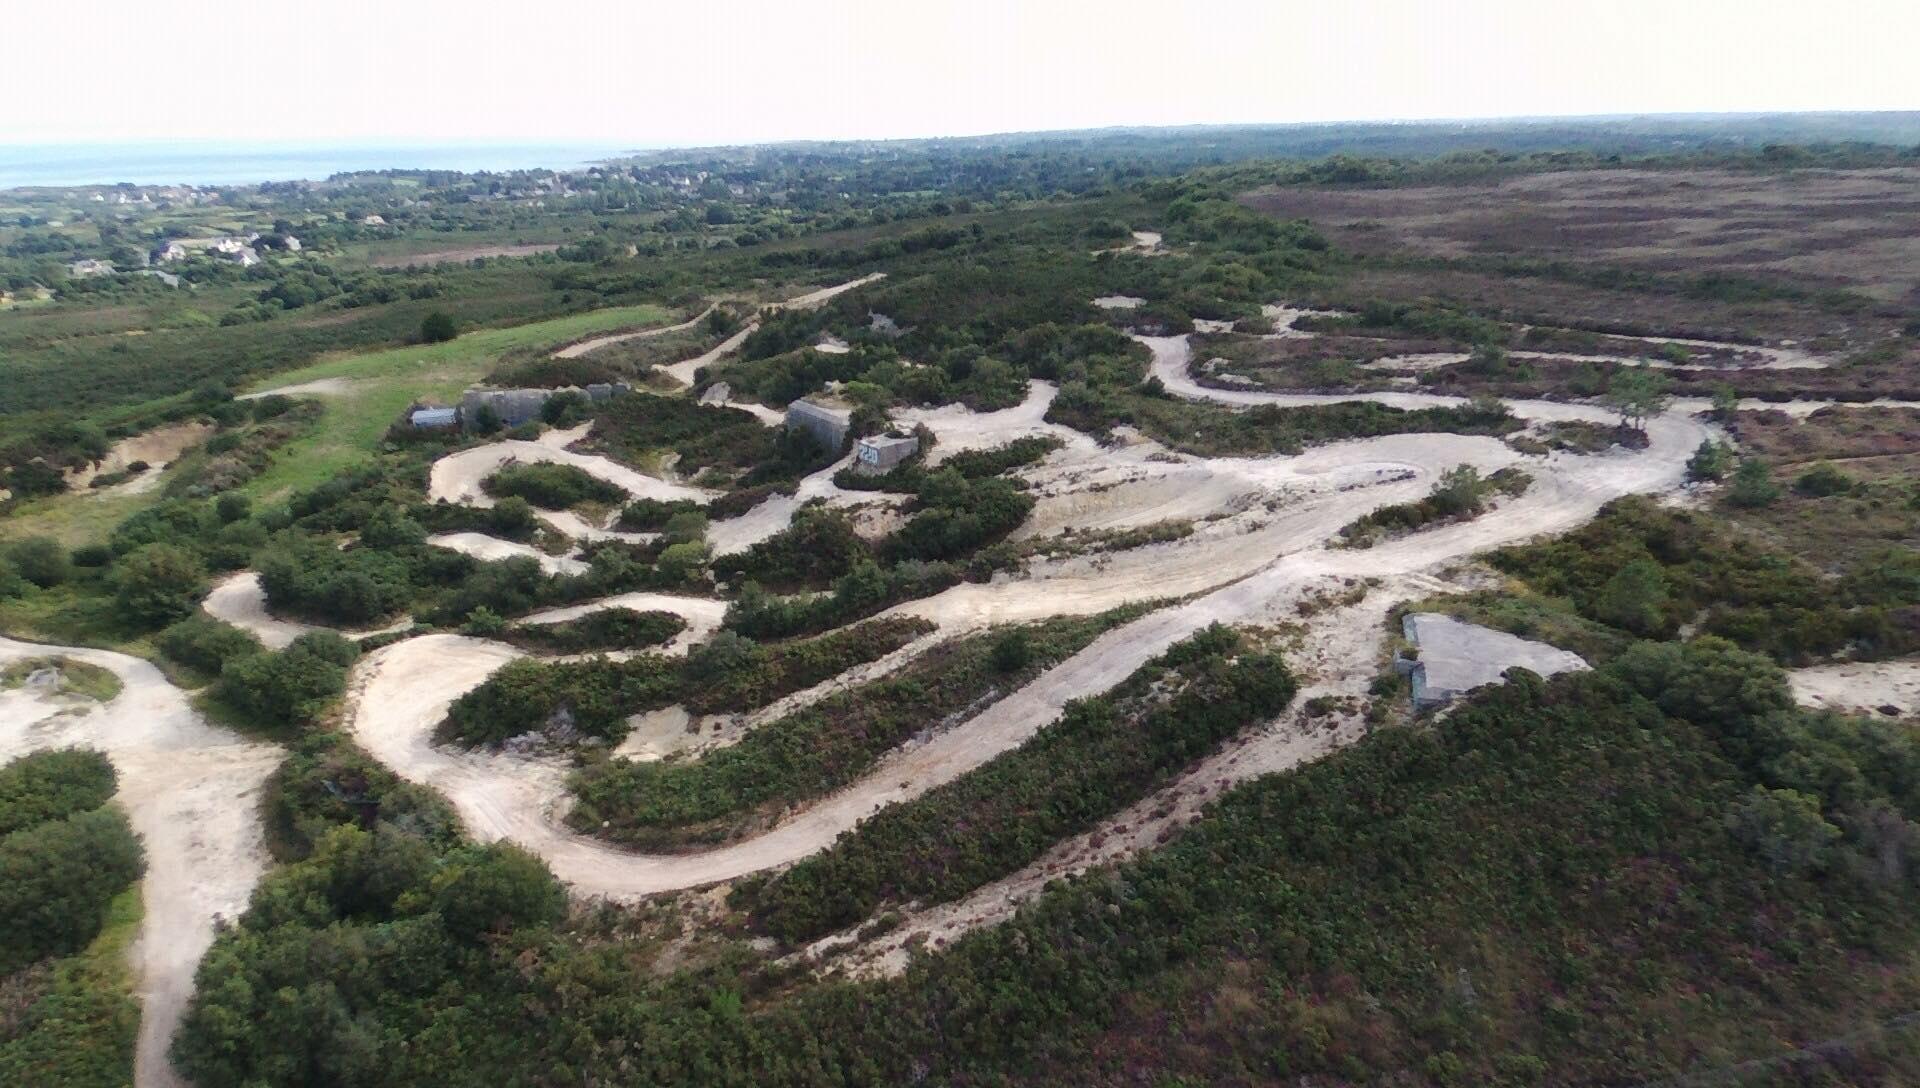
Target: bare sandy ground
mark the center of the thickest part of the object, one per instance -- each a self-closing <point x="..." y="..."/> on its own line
<point x="457" y="476"/>
<point x="576" y="350"/>
<point x="490" y="548"/>
<point x="463" y="253"/>
<point x="191" y="791"/>
<point x="239" y="599"/>
<point x="684" y="372"/>
<point x="1119" y="302"/>
<point x="776" y="513"/>
<point x="319" y="387"/>
<point x="1861" y="687"/>
<point x="159" y="448"/>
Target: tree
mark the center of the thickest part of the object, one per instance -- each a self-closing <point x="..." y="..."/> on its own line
<point x="1459" y="491"/>
<point x="158" y="583"/>
<point x="1753" y="484"/>
<point x="438" y="327"/>
<point x="40" y="560"/>
<point x="1710" y="461"/>
<point x="1726" y="402"/>
<point x="1634" y="598"/>
<point x="1637" y="393"/>
<point x="232" y="506"/>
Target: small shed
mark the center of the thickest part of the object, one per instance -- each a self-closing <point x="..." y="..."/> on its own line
<point x="880" y="452"/>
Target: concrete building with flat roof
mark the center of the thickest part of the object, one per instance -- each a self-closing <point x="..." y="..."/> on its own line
<point x="880" y="452"/>
<point x="828" y="424"/>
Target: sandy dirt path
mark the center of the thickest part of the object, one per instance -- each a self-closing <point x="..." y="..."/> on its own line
<point x="319" y="387"/>
<point x="684" y="371"/>
<point x="490" y="549"/>
<point x="582" y="347"/>
<point x="239" y="599"/>
<point x="192" y="792"/>
<point x="1860" y="687"/>
<point x="457" y="477"/>
<point x="406" y="687"/>
<point x="159" y="448"/>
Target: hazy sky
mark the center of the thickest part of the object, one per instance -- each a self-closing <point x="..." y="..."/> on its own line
<point x="651" y="73"/>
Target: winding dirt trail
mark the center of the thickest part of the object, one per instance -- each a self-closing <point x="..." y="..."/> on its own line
<point x="191" y="791"/>
<point x="582" y="347"/>
<point x="404" y="689"/>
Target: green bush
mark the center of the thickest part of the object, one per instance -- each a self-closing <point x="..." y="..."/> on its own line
<point x="606" y="629"/>
<point x="40" y="560"/>
<point x="158" y="584"/>
<point x="206" y="644"/>
<point x="326" y="782"/>
<point x="57" y="880"/>
<point x="53" y="785"/>
<point x="551" y="486"/>
<point x="289" y="688"/>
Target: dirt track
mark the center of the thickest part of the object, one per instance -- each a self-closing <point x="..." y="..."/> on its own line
<point x="404" y="690"/>
<point x="576" y="350"/>
<point x="191" y="791"/>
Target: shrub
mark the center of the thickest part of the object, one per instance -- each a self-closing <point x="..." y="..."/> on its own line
<point x="53" y="785"/>
<point x="40" y="560"/>
<point x="1821" y="480"/>
<point x="158" y="583"/>
<point x="438" y="327"/>
<point x="1753" y="484"/>
<point x="57" y="879"/>
<point x="551" y="486"/>
<point x="206" y="644"/>
<point x="291" y="687"/>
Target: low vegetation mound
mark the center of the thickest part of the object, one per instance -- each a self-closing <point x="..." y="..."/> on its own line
<point x="552" y="486"/>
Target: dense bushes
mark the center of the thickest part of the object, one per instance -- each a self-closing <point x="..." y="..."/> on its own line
<point x="819" y="546"/>
<point x="954" y="517"/>
<point x="606" y="629"/>
<point x="865" y="589"/>
<point x="157" y="584"/>
<point x="590" y="698"/>
<point x="811" y="751"/>
<point x="63" y="856"/>
<point x="1649" y="570"/>
<point x="327" y="782"/>
<point x="594" y="698"/>
<point x="1100" y="755"/>
<point x="291" y="687"/>
<point x="396" y="920"/>
<point x="355" y="587"/>
<point x="53" y="785"/>
<point x="205" y="644"/>
<point x="731" y="673"/>
<point x="551" y="486"/>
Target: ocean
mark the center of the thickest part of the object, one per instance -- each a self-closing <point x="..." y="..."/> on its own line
<point x="197" y="163"/>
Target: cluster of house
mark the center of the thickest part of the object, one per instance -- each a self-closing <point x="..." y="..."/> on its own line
<point x="236" y="248"/>
<point x="507" y="407"/>
<point x="828" y="421"/>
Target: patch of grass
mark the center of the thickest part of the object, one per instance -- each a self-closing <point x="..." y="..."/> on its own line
<point x="76" y="677"/>
<point x="385" y="382"/>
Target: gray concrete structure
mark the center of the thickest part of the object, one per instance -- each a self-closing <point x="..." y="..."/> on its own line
<point x="516" y="406"/>
<point x="427" y="419"/>
<point x="827" y="424"/>
<point x="1455" y="657"/>
<point x="880" y="452"/>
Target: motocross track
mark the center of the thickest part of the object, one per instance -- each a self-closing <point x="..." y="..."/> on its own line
<point x="1234" y="570"/>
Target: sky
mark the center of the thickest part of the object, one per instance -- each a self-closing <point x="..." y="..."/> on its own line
<point x="642" y="73"/>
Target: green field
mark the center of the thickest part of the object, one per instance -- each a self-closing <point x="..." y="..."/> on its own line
<point x="385" y="382"/>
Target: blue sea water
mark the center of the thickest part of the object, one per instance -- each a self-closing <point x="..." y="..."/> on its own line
<point x="198" y="163"/>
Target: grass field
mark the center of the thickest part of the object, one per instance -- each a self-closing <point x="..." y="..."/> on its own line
<point x="351" y="426"/>
<point x="385" y="382"/>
